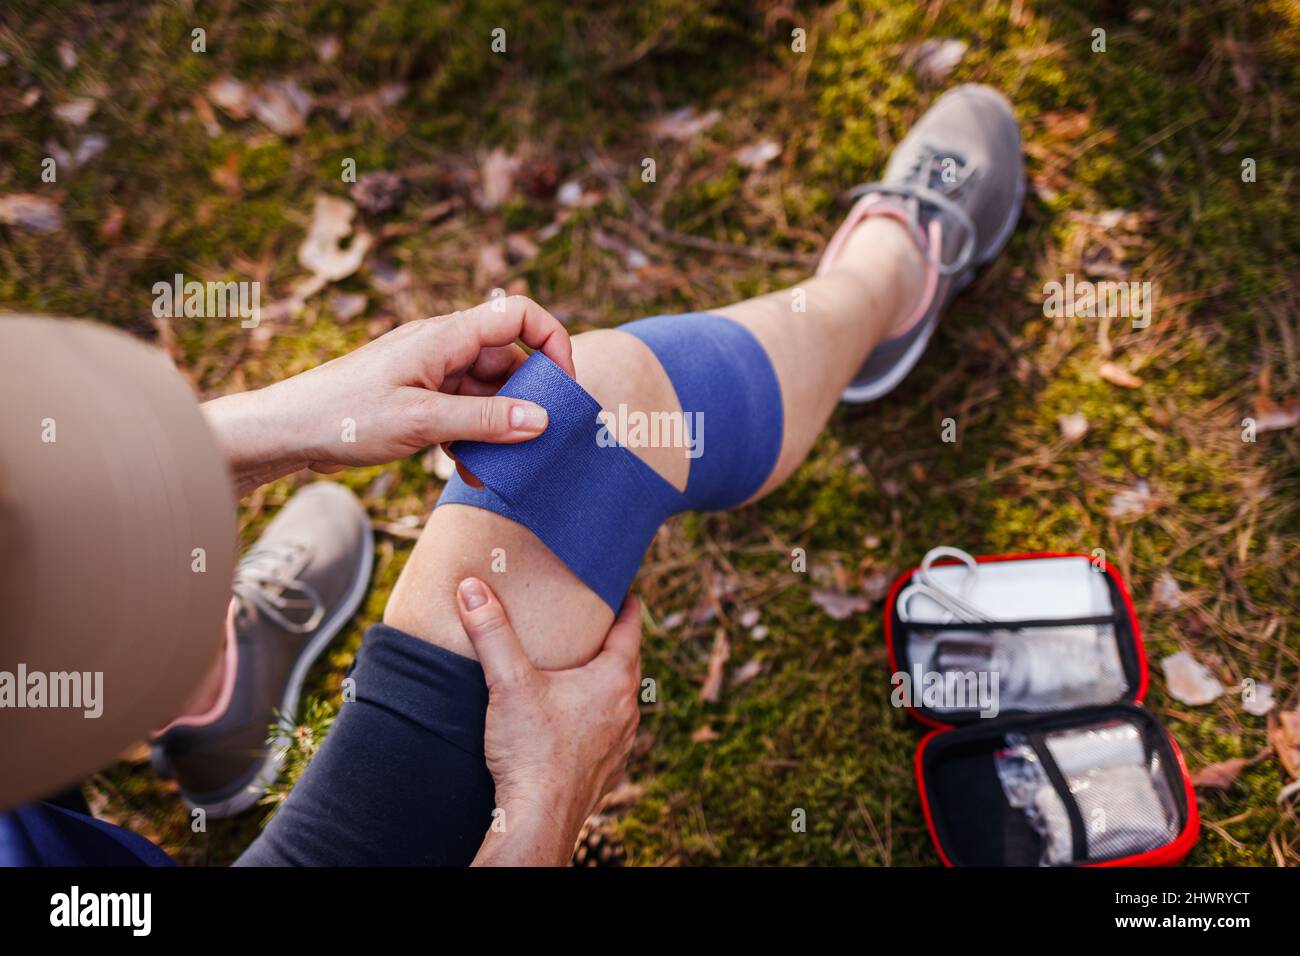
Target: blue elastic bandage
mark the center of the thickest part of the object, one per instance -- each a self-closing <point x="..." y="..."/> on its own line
<point x="595" y="504"/>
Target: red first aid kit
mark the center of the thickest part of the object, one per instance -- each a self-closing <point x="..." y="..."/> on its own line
<point x="1031" y="670"/>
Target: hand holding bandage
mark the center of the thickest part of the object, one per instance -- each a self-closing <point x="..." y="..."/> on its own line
<point x="428" y="382"/>
<point x="596" y="505"/>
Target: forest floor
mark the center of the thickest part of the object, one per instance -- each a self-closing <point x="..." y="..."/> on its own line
<point x="1167" y="158"/>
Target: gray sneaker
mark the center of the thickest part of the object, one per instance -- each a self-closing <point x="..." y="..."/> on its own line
<point x="294" y="591"/>
<point x="957" y="182"/>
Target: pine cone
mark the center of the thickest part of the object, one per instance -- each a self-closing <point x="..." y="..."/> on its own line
<point x="539" y="177"/>
<point x="378" y="192"/>
<point x="597" y="846"/>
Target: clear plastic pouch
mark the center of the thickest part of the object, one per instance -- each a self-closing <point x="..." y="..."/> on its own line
<point x="1103" y="778"/>
<point x="1039" y="667"/>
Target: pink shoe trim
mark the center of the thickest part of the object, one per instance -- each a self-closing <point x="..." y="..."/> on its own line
<point x="230" y="660"/>
<point x="874" y="204"/>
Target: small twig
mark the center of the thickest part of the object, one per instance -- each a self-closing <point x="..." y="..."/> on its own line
<point x="727" y="248"/>
<point x="406" y="532"/>
<point x="660" y="231"/>
<point x="875" y="834"/>
<point x="423" y="218"/>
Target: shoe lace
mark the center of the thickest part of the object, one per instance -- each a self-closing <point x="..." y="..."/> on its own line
<point x="266" y="582"/>
<point x="925" y="183"/>
<point x="930" y="165"/>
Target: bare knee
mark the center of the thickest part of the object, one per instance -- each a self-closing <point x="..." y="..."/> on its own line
<point x="559" y="619"/>
<point x="618" y="369"/>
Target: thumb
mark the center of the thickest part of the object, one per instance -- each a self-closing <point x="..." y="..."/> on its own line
<point x="493" y="419"/>
<point x="624" y="638"/>
<point x="489" y="630"/>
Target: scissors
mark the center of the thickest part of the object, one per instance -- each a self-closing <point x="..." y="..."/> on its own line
<point x="955" y="604"/>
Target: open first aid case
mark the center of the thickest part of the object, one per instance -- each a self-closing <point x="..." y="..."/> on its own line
<point x="1031" y="670"/>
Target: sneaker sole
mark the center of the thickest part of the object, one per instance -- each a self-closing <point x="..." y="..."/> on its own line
<point x="264" y="775"/>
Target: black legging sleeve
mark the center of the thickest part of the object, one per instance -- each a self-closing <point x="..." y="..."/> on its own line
<point x="400" y="779"/>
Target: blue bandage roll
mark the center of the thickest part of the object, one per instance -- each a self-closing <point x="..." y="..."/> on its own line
<point x="595" y="504"/>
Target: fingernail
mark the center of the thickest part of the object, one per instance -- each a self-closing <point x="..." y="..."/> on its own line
<point x="527" y="418"/>
<point x="472" y="594"/>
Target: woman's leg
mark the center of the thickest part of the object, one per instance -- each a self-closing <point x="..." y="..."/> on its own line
<point x="402" y="776"/>
<point x="816" y="335"/>
<point x="956" y="180"/>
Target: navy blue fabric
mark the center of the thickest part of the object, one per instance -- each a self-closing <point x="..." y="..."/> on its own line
<point x="597" y="508"/>
<point x="45" y="834"/>
<point x="720" y="371"/>
<point x="400" y="779"/>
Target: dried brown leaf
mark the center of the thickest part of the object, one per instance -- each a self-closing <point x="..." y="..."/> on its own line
<point x="1219" y="775"/>
<point x="683" y="124"/>
<point x="622" y="796"/>
<point x="328" y="48"/>
<point x="1189" y="681"/>
<point x="31" y="212"/>
<point x="1271" y="416"/>
<point x="231" y="96"/>
<point x="1073" y="427"/>
<point x="1167" y="593"/>
<point x="705" y="734"/>
<point x="110" y="229"/>
<point x="227" y="174"/>
<point x="1131" y="502"/>
<point x="1066" y="124"/>
<point x="1284" y="735"/>
<point x="207" y="115"/>
<point x="758" y="155"/>
<point x="67" y="54"/>
<point x="711" y="692"/>
<point x="76" y="112"/>
<point x="491" y="266"/>
<point x="284" y="106"/>
<point x="747" y="672"/>
<point x="496" y="178"/>
<point x="1118" y="375"/>
<point x="347" y="305"/>
<point x="934" y="60"/>
<point x="838" y="604"/>
<point x="322" y="251"/>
